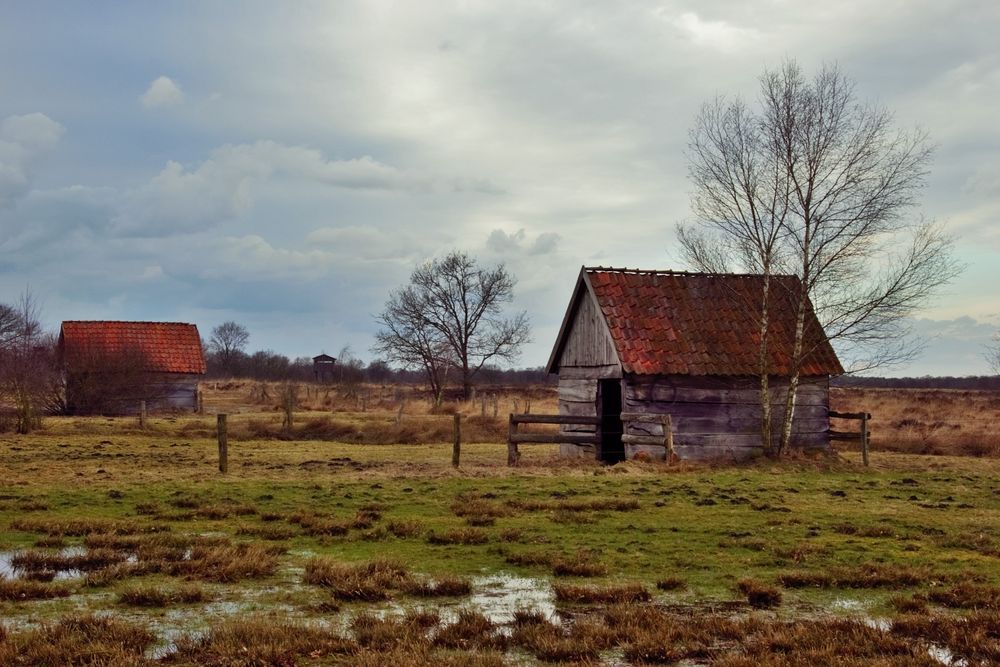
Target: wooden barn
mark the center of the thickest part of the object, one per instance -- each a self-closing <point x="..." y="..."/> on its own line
<point x="110" y="367"/>
<point x="684" y="345"/>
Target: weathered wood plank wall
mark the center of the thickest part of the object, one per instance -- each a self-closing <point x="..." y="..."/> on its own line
<point x="588" y="343"/>
<point x="720" y="416"/>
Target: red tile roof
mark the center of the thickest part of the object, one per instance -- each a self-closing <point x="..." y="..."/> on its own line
<point x="665" y="323"/>
<point x="165" y="347"/>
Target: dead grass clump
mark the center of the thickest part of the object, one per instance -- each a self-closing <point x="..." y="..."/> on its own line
<point x="78" y="640"/>
<point x="671" y="584"/>
<point x="153" y="596"/>
<point x="404" y="529"/>
<point x="530" y="558"/>
<point x="614" y="594"/>
<point x="478" y="511"/>
<point x="226" y="564"/>
<point x="372" y="581"/>
<point x="583" y="641"/>
<point x="908" y="605"/>
<point x="582" y="564"/>
<point x="759" y="595"/>
<point x="863" y="576"/>
<point x="593" y="505"/>
<point x="825" y="642"/>
<point x="331" y="527"/>
<point x="471" y="631"/>
<point x="91" y="559"/>
<point x="974" y="639"/>
<point x="47" y="542"/>
<point x="81" y="527"/>
<point x="967" y="596"/>
<point x="268" y="532"/>
<point x="108" y="575"/>
<point x="384" y="633"/>
<point x="439" y="587"/>
<point x="20" y="590"/>
<point x="249" y="642"/>
<point x="466" y="536"/>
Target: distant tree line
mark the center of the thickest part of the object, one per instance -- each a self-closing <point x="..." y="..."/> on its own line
<point x="226" y="357"/>
<point x="991" y="382"/>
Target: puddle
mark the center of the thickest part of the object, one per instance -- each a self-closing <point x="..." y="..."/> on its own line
<point x="499" y="596"/>
<point x="850" y="604"/>
<point x="8" y="571"/>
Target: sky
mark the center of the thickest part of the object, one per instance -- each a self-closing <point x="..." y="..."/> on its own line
<point x="287" y="165"/>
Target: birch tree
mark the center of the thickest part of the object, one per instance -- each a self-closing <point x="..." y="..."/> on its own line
<point x="816" y="183"/>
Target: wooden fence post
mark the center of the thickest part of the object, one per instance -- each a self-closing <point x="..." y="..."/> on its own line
<point x="668" y="437"/>
<point x="201" y="401"/>
<point x="142" y="414"/>
<point x="457" y="449"/>
<point x="864" y="438"/>
<point x="512" y="454"/>
<point x="223" y="435"/>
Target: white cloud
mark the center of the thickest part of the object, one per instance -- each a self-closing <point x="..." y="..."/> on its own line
<point x="224" y="187"/>
<point x="502" y="243"/>
<point x="22" y="140"/>
<point x="34" y="131"/>
<point x="718" y="35"/>
<point x="162" y="92"/>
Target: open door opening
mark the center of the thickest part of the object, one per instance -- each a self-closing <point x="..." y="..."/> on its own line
<point x="609" y="400"/>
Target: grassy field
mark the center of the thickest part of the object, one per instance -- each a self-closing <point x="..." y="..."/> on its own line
<point x="122" y="546"/>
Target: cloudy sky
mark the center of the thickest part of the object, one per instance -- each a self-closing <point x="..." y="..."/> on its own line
<point x="287" y="164"/>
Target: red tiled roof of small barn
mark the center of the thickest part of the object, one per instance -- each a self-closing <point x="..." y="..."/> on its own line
<point x="665" y="323"/>
<point x="165" y="347"/>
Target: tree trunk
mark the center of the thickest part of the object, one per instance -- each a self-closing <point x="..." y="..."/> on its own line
<point x="766" y="435"/>
<point x="793" y="379"/>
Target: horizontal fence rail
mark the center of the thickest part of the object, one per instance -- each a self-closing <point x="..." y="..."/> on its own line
<point x="515" y="438"/>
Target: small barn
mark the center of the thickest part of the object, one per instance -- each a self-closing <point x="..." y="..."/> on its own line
<point x="685" y="345"/>
<point x="110" y="366"/>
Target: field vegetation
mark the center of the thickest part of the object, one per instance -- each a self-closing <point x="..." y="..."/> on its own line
<point x="126" y="546"/>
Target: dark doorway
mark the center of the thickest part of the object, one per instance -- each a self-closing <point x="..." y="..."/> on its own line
<point x="609" y="399"/>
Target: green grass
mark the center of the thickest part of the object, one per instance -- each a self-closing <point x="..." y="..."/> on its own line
<point x="708" y="527"/>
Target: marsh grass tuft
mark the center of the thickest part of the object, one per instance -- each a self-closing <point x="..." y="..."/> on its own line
<point x="78" y="640"/>
<point x="448" y="586"/>
<point x="372" y="581"/>
<point x="260" y="641"/>
<point x="581" y="564"/>
<point x="154" y="596"/>
<point x="862" y="576"/>
<point x="612" y="594"/>
<point x="470" y="631"/>
<point x="466" y="536"/>
<point x="21" y="590"/>
<point x="759" y="595"/>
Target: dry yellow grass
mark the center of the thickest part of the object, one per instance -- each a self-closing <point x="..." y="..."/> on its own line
<point x="925" y="421"/>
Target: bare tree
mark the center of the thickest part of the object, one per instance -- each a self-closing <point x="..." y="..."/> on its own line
<point x="228" y="341"/>
<point x="451" y="315"/>
<point x="993" y="354"/>
<point x="819" y="185"/>
<point x="28" y="375"/>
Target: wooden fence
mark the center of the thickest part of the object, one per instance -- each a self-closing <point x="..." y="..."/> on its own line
<point x="863" y="434"/>
<point x="666" y="440"/>
<point x="515" y="438"/>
